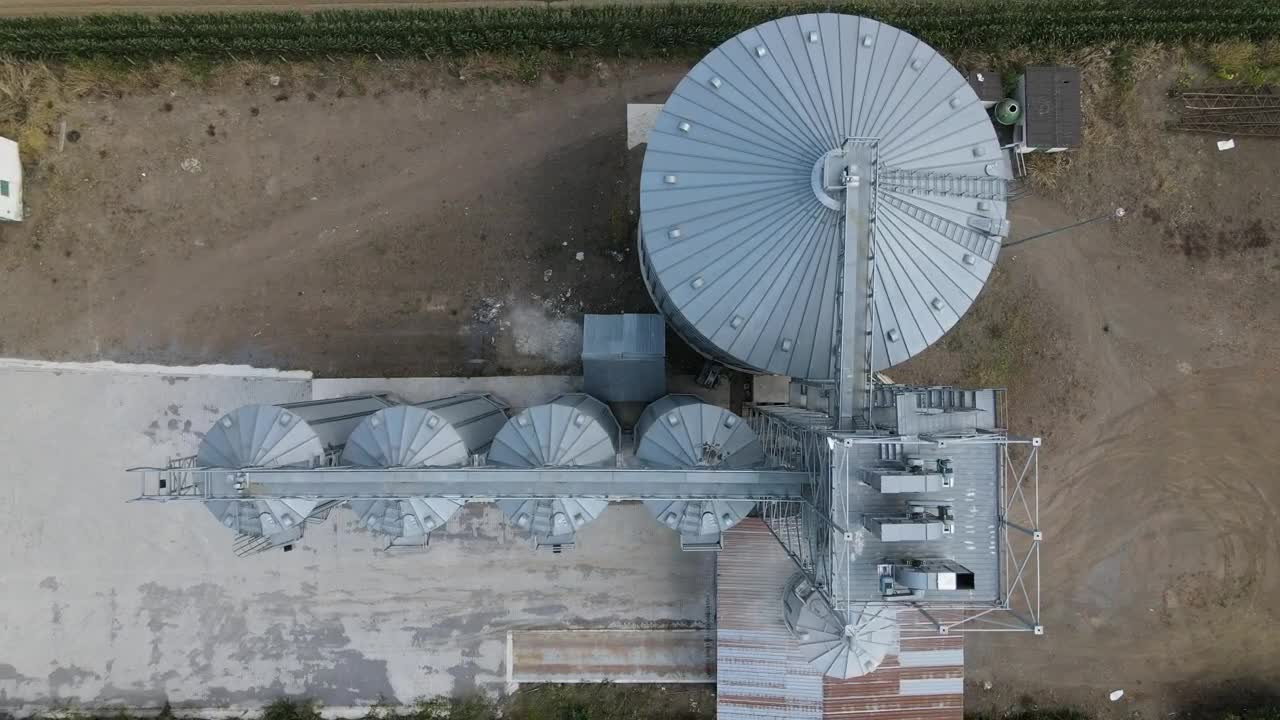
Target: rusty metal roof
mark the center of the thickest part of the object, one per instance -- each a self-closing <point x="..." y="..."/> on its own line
<point x="761" y="672"/>
<point x="924" y="681"/>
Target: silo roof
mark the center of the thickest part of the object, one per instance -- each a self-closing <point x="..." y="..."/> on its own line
<point x="683" y="431"/>
<point x="405" y="436"/>
<point x="573" y="430"/>
<point x="740" y="229"/>
<point x="260" y="436"/>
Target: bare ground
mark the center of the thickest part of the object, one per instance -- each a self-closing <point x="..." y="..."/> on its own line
<point x="394" y="225"/>
<point x="1143" y="349"/>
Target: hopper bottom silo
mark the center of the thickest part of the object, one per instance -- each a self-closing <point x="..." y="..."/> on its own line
<point x="437" y="433"/>
<point x="573" y="430"/>
<point x="682" y="431"/>
<point x="552" y="522"/>
<point x="260" y="436"/>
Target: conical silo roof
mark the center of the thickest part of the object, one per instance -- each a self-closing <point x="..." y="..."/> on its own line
<point x="408" y="521"/>
<point x="405" y="436"/>
<point x="552" y="521"/>
<point x="476" y="417"/>
<point x="571" y="431"/>
<point x="260" y="436"/>
<point x="741" y="235"/>
<point x="683" y="431"/>
<point x="840" y="650"/>
<point x="701" y="523"/>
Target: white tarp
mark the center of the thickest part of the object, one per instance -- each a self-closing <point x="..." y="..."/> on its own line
<point x="10" y="181"/>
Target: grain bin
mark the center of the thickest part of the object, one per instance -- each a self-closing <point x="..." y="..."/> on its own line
<point x="745" y="197"/>
<point x="573" y="430"/>
<point x="682" y="431"/>
<point x="437" y="433"/>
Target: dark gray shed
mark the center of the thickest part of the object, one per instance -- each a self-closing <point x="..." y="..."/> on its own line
<point x="987" y="86"/>
<point x="1051" y="107"/>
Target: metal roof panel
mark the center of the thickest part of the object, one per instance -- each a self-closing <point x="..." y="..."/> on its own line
<point x="739" y="250"/>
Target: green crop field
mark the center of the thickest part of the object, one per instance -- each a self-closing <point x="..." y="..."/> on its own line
<point x="951" y="26"/>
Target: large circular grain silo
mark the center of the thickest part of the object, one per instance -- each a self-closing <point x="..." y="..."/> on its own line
<point x="743" y="225"/>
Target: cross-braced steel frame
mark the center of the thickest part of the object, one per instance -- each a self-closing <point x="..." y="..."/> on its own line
<point x="816" y="531"/>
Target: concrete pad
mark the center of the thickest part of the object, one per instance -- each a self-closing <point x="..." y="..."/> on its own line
<point x="628" y="656"/>
<point x="641" y="117"/>
<point x="771" y="388"/>
<point x="109" y="603"/>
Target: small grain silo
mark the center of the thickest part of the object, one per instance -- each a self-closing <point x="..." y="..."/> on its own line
<point x="262" y="436"/>
<point x="439" y="433"/>
<point x="842" y="648"/>
<point x="682" y="431"/>
<point x="573" y="430"/>
<point x="302" y="434"/>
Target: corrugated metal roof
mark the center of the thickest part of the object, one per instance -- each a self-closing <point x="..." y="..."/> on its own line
<point x="624" y="357"/>
<point x="1052" y="114"/>
<point x="930" y="687"/>
<point x="740" y="240"/>
<point x="760" y="672"/>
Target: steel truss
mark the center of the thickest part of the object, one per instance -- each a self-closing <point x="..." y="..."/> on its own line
<point x="815" y="530"/>
<point x="1230" y="111"/>
<point x="184" y="480"/>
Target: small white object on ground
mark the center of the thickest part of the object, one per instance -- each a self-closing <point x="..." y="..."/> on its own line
<point x="1116" y="695"/>
<point x="274" y="80"/>
<point x="1226" y="144"/>
<point x="191" y="165"/>
<point x="579" y="257"/>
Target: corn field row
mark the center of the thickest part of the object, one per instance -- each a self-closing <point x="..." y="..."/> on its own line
<point x="950" y="25"/>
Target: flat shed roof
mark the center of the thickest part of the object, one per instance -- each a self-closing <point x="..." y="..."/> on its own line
<point x="1051" y="107"/>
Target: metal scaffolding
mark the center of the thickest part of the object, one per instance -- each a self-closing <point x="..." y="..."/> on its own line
<point x="818" y="530"/>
